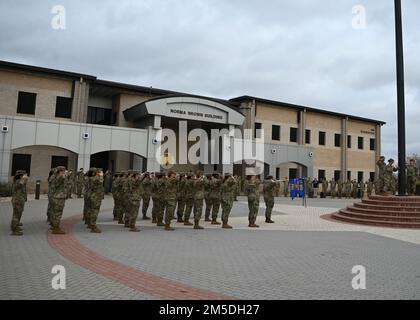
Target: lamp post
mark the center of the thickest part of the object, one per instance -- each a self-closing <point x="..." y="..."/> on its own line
<point x="402" y="187"/>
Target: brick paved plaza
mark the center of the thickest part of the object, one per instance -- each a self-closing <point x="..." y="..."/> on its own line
<point x="301" y="256"/>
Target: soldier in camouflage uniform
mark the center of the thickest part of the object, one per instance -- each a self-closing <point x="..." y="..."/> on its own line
<point x="333" y="188"/>
<point x="51" y="176"/>
<point x="171" y="187"/>
<point x="189" y="198"/>
<point x="389" y="185"/>
<point x="237" y="187"/>
<point x="198" y="199"/>
<point x="19" y="198"/>
<point x="70" y="184"/>
<point x="116" y="194"/>
<point x="324" y="185"/>
<point x="79" y="182"/>
<point x="134" y="198"/>
<point x="95" y="199"/>
<point x="216" y="185"/>
<point x="380" y="188"/>
<point x="253" y="193"/>
<point x="354" y="189"/>
<point x="58" y="198"/>
<point x="227" y="191"/>
<point x="207" y="189"/>
<point x="269" y="192"/>
<point x="412" y="177"/>
<point x="286" y="187"/>
<point x="86" y="190"/>
<point x="369" y="187"/>
<point x="160" y="190"/>
<point x="125" y="189"/>
<point x="181" y="198"/>
<point x="147" y="184"/>
<point x="340" y="189"/>
<point x="155" y="200"/>
<point x="347" y="189"/>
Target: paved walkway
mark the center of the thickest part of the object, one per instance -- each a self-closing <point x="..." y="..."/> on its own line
<point x="301" y="256"/>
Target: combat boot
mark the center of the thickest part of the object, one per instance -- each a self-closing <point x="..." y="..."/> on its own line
<point x="57" y="230"/>
<point x="214" y="221"/>
<point x="95" y="229"/>
<point x="253" y="225"/>
<point x="133" y="228"/>
<point x="187" y="223"/>
<point x="168" y="227"/>
<point x="160" y="223"/>
<point x="180" y="220"/>
<point x="17" y="232"/>
<point x="269" y="221"/>
<point x="197" y="226"/>
<point x="226" y="226"/>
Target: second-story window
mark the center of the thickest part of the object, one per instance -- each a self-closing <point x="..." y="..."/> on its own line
<point x="99" y="116"/>
<point x="308" y="136"/>
<point x="63" y="107"/>
<point x="275" y="133"/>
<point x="26" y="102"/>
<point x="349" y="141"/>
<point x="257" y="134"/>
<point x="360" y="143"/>
<point x="337" y="140"/>
<point x="321" y="138"/>
<point x="293" y="134"/>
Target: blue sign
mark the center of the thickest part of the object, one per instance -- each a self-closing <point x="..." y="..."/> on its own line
<point x="297" y="188"/>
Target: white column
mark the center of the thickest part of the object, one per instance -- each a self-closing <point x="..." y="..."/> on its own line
<point x="152" y="163"/>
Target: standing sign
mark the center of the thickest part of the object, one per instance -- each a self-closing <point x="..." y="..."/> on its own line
<point x="297" y="188"/>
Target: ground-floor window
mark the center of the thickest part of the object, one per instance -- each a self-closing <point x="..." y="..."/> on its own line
<point x="21" y="162"/>
<point x="360" y="176"/>
<point x="337" y="175"/>
<point x="292" y="173"/>
<point x="59" y="161"/>
<point x="321" y="175"/>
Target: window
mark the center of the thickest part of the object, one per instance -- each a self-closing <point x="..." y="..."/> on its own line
<point x="57" y="161"/>
<point x="349" y="142"/>
<point x="21" y="162"/>
<point x="360" y="143"/>
<point x="63" y="107"/>
<point x="337" y="140"/>
<point x="298" y="117"/>
<point x="308" y="136"/>
<point x="215" y="167"/>
<point x="275" y="133"/>
<point x="321" y="138"/>
<point x="321" y="174"/>
<point x="372" y="176"/>
<point x="372" y="144"/>
<point x="360" y="176"/>
<point x="277" y="173"/>
<point x="292" y="173"/>
<point x="337" y="175"/>
<point x="293" y="134"/>
<point x="26" y="102"/>
<point x="99" y="116"/>
<point x="349" y="175"/>
<point x="258" y="126"/>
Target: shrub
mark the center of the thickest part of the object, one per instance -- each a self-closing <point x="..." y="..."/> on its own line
<point x="5" y="189"/>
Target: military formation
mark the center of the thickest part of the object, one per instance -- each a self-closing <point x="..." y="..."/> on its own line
<point x="182" y="196"/>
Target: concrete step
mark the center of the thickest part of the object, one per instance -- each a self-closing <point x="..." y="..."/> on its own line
<point x="392" y="211"/>
<point x="379" y="223"/>
<point x="415" y="199"/>
<point x="383" y="217"/>
<point x="387" y="208"/>
<point x="391" y="203"/>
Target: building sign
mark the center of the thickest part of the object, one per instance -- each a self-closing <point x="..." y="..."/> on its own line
<point x="192" y="111"/>
<point x="372" y="131"/>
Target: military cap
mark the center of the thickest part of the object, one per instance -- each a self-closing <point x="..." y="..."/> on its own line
<point x="22" y="172"/>
<point x="269" y="177"/>
<point x="60" y="168"/>
<point x="391" y="160"/>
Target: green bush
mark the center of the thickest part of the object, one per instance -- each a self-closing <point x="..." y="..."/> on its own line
<point x="5" y="189"/>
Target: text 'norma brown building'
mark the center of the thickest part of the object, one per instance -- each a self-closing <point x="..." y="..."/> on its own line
<point x="51" y="117"/>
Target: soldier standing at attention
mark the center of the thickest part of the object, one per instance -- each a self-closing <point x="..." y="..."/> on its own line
<point x="227" y="190"/>
<point x="189" y="198"/>
<point x="70" y="183"/>
<point x="354" y="189"/>
<point x="79" y="182"/>
<point x="181" y="198"/>
<point x="340" y="189"/>
<point x="96" y="196"/>
<point x="381" y="175"/>
<point x="324" y="185"/>
<point x="389" y="186"/>
<point x="19" y="198"/>
<point x="333" y="187"/>
<point x="411" y="177"/>
<point x="125" y="189"/>
<point x="160" y="198"/>
<point x="198" y="200"/>
<point x="207" y="200"/>
<point x="58" y="197"/>
<point x="216" y="185"/>
<point x="369" y="187"/>
<point x="107" y="181"/>
<point x="269" y="191"/>
<point x="86" y="194"/>
<point x="134" y="198"/>
<point x="252" y="191"/>
<point x="286" y="187"/>
<point x="170" y="199"/>
<point x="115" y="195"/>
<point x="147" y="184"/>
<point x="154" y="197"/>
<point x="237" y="187"/>
<point x="51" y="176"/>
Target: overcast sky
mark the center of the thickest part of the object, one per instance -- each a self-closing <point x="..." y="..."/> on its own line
<point x="305" y="52"/>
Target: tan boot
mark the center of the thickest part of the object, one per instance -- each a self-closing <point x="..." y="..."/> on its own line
<point x="133" y="228"/>
<point x="17" y="233"/>
<point x="226" y="226"/>
<point x="168" y="227"/>
<point x="214" y="221"/>
<point x="269" y="221"/>
<point x="57" y="230"/>
<point x="95" y="229"/>
<point x="197" y="226"/>
<point x="253" y="225"/>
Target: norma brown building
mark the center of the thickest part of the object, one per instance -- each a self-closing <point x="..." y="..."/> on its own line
<point x="52" y="117"/>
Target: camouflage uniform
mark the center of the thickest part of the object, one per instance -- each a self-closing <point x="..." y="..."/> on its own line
<point x="340" y="189"/>
<point x="134" y="197"/>
<point x="207" y="190"/>
<point x="181" y="199"/>
<point x="155" y="199"/>
<point x="124" y="192"/>
<point x="147" y="185"/>
<point x="380" y="188"/>
<point x="369" y="188"/>
<point x="227" y="190"/>
<point x="50" y="191"/>
<point x="86" y="193"/>
<point x="215" y="189"/>
<point x="286" y="188"/>
<point x="19" y="198"/>
<point x="269" y="191"/>
<point x="171" y="187"/>
<point x="70" y="184"/>
<point x="95" y="200"/>
<point x="411" y="179"/>
<point x="115" y="195"/>
<point x="160" y="190"/>
<point x="79" y="183"/>
<point x="333" y="187"/>
<point x="58" y="199"/>
<point x="354" y="189"/>
<point x="189" y="199"/>
<point x="324" y="185"/>
<point x="253" y="193"/>
<point x="198" y="200"/>
<point x="389" y="185"/>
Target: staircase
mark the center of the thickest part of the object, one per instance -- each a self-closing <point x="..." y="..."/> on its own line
<point x="394" y="212"/>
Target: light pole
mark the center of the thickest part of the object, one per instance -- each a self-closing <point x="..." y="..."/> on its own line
<point x="402" y="187"/>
